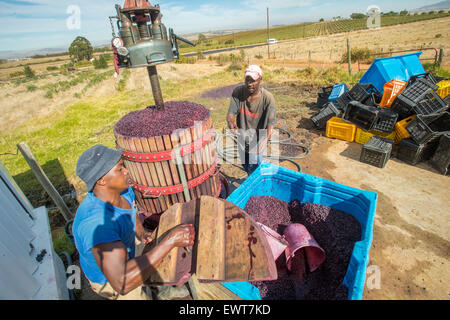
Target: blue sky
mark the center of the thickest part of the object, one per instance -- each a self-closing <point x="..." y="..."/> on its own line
<point x="35" y="24"/>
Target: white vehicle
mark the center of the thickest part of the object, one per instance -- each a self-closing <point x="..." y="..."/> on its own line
<point x="272" y="41"/>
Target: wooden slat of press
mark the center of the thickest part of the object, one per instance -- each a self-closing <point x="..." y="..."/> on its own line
<point x="160" y="204"/>
<point x="197" y="159"/>
<point x="166" y="271"/>
<point x="240" y="264"/>
<point x="203" y="158"/>
<point x="160" y="172"/>
<point x="175" y="139"/>
<point x="193" y="165"/>
<point x="211" y="247"/>
<point x="186" y="163"/>
<point x="165" y="166"/>
<point x="148" y="176"/>
<point x="173" y="168"/>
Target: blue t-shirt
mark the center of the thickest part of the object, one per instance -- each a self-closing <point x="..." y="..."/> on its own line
<point x="99" y="222"/>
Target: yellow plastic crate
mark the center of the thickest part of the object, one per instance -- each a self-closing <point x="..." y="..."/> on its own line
<point x="400" y="129"/>
<point x="340" y="129"/>
<point x="444" y="88"/>
<point x="362" y="136"/>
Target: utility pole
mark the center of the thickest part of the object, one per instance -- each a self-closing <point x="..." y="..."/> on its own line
<point x="268" y="35"/>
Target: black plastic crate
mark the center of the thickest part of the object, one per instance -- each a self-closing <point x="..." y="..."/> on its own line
<point x="427" y="76"/>
<point x="386" y="120"/>
<point x="329" y="111"/>
<point x="377" y="151"/>
<point x="343" y="101"/>
<point x="361" y="115"/>
<point x="405" y="102"/>
<point x="412" y="153"/>
<point x="441" y="158"/>
<point x="425" y="128"/>
<point x="325" y="92"/>
<point x="432" y="103"/>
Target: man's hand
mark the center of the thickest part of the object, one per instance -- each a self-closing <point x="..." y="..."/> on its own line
<point x="146" y="237"/>
<point x="181" y="236"/>
<point x="231" y="119"/>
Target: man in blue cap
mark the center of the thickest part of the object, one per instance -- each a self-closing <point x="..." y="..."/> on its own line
<point x="105" y="227"/>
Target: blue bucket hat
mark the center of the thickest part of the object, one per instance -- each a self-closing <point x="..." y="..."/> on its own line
<point x="95" y="162"/>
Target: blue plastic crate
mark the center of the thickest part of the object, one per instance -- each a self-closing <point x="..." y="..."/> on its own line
<point x="399" y="67"/>
<point x="288" y="185"/>
<point x="338" y="90"/>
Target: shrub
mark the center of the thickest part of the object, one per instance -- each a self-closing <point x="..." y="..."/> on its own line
<point x="101" y="63"/>
<point x="52" y="68"/>
<point x="29" y="73"/>
<point x="31" y="88"/>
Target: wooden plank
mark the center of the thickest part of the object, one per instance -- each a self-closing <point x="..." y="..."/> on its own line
<point x="173" y="168"/>
<point x="166" y="271"/>
<point x="197" y="159"/>
<point x="165" y="201"/>
<point x="211" y="247"/>
<point x="248" y="254"/>
<point x="187" y="166"/>
<point x="156" y="183"/>
<point x="148" y="176"/>
<point x="44" y="180"/>
<point x="165" y="166"/>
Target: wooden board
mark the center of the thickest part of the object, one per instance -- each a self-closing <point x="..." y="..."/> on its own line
<point x="229" y="245"/>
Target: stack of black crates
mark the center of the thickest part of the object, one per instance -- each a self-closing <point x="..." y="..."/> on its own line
<point x="429" y="131"/>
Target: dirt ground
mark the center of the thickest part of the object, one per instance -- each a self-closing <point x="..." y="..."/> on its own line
<point x="411" y="230"/>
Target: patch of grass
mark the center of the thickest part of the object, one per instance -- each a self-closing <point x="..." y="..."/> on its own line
<point x="121" y="86"/>
<point x="31" y="88"/>
<point x="61" y="242"/>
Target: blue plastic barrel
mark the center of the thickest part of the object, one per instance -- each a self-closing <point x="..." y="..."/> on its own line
<point x="338" y="90"/>
<point x="384" y="70"/>
<point x="288" y="185"/>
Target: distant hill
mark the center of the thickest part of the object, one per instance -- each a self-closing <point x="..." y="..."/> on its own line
<point x="443" y="5"/>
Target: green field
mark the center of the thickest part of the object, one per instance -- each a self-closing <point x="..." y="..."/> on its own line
<point x="305" y="30"/>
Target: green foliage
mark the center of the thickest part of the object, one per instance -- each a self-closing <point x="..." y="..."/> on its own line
<point x="363" y="55"/>
<point x="31" y="88"/>
<point x="28" y="72"/>
<point x="100" y="63"/>
<point x="201" y="38"/>
<point x="80" y="49"/>
<point x="52" y="68"/>
<point x="183" y="59"/>
<point x="16" y="74"/>
<point x="61" y="242"/>
<point x="357" y="16"/>
<point x="230" y="41"/>
<point x="200" y="55"/>
<point x="321" y="20"/>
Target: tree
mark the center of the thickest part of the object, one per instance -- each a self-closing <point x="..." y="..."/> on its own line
<point x="404" y="12"/>
<point x="201" y="38"/>
<point x="29" y="73"/>
<point x="321" y="20"/>
<point x="357" y="16"/>
<point x="81" y="49"/>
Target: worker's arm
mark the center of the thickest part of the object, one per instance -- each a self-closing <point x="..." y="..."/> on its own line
<point x="231" y="119"/>
<point x="126" y="275"/>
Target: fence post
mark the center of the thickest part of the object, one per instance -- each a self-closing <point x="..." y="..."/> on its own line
<point x="441" y="56"/>
<point x="43" y="179"/>
<point x="349" y="55"/>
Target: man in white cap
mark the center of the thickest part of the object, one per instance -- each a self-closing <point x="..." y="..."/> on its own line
<point x="252" y="116"/>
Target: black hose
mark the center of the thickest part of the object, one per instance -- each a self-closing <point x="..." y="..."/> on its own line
<point x="231" y="151"/>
